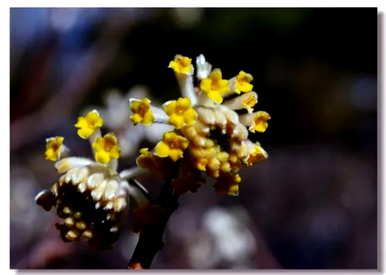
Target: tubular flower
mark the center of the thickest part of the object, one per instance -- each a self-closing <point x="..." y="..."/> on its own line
<point x="214" y="86"/>
<point x="106" y="148"/>
<point x="215" y="143"/>
<point x="90" y="197"/>
<point x="171" y="145"/>
<point x="243" y="84"/>
<point x="181" y="65"/>
<point x="180" y="112"/>
<point x="54" y="148"/>
<point x="257" y="153"/>
<point x="256" y="121"/>
<point x="245" y="101"/>
<point x="89" y="124"/>
<point x="141" y="112"/>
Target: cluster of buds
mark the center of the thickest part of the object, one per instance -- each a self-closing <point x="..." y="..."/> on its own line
<point x="211" y="123"/>
<point x="209" y="126"/>
<point x="90" y="195"/>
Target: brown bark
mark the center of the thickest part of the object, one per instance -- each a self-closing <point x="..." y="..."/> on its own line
<point x="151" y="236"/>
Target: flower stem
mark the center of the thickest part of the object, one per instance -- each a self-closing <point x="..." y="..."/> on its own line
<point x="151" y="237"/>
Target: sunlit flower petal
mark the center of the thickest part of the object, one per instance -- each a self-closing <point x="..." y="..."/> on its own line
<point x="172" y="145"/>
<point x="106" y="148"/>
<point x="141" y="112"/>
<point x="54" y="148"/>
<point x="182" y="65"/>
<point x="242" y="83"/>
<point x="89" y="124"/>
<point x="214" y="86"/>
<point x="180" y="112"/>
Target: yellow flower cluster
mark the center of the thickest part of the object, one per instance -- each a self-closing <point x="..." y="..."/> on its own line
<point x="209" y="136"/>
<point x="105" y="148"/>
<point x="90" y="196"/>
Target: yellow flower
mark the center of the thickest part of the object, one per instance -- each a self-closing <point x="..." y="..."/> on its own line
<point x="180" y="112"/>
<point x="249" y="101"/>
<point x="141" y="112"/>
<point x="242" y="82"/>
<point x="257" y="153"/>
<point x="106" y="148"/>
<point x="89" y="124"/>
<point x="259" y="122"/>
<point x="53" y="148"/>
<point x="214" y="86"/>
<point x="181" y="64"/>
<point x="171" y="145"/>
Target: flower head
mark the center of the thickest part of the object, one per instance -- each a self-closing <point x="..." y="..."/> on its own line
<point x="90" y="199"/>
<point x="249" y="100"/>
<point x="54" y="148"/>
<point x="214" y="86"/>
<point x="243" y="84"/>
<point x="141" y="112"/>
<point x="208" y="138"/>
<point x="171" y="145"/>
<point x="182" y="65"/>
<point x="89" y="124"/>
<point x="180" y="112"/>
<point x="259" y="122"/>
<point x="106" y="148"/>
<point x="90" y="196"/>
<point x="257" y="153"/>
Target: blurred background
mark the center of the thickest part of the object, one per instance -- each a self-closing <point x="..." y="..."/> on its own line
<point x="311" y="205"/>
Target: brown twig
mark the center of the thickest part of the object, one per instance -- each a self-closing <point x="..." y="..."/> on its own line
<point x="151" y="237"/>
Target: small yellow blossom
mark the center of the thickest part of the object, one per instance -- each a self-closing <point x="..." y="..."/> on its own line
<point x="141" y="112"/>
<point x="106" y="148"/>
<point x="89" y="124"/>
<point x="243" y="84"/>
<point x="249" y="101"/>
<point x="259" y="122"/>
<point x="53" y="148"/>
<point x="182" y="65"/>
<point x="171" y="145"/>
<point x="159" y="166"/>
<point x="257" y="154"/>
<point x="214" y="86"/>
<point x="180" y="112"/>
